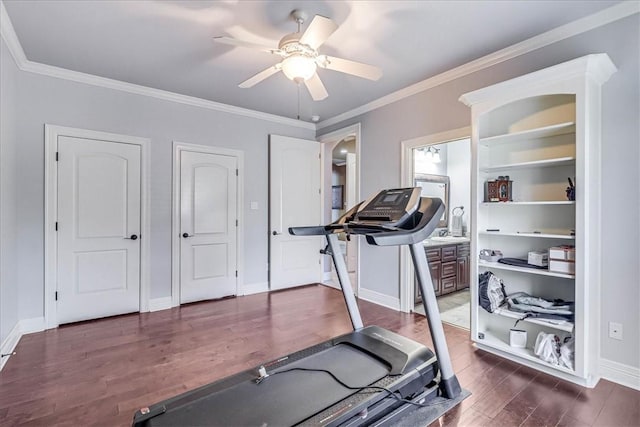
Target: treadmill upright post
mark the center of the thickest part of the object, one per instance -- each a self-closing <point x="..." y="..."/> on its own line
<point x="449" y="382"/>
<point x="345" y="283"/>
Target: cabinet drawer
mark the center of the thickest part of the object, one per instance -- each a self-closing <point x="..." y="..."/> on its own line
<point x="433" y="254"/>
<point x="449" y="269"/>
<point x="448" y="285"/>
<point x="464" y="249"/>
<point x="449" y="253"/>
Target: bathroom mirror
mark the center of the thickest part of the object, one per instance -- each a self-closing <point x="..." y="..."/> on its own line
<point x="435" y="186"/>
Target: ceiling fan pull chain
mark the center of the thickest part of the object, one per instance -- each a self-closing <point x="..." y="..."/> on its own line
<point x="298" y="100"/>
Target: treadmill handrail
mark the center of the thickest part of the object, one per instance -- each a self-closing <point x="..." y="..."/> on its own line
<point x="429" y="209"/>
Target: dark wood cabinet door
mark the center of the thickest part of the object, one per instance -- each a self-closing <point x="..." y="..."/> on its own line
<point x="449" y="253"/>
<point x="463" y="273"/>
<point x="434" y="267"/>
<point x="448" y="284"/>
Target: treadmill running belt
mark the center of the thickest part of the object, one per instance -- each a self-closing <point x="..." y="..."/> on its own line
<point x="283" y="399"/>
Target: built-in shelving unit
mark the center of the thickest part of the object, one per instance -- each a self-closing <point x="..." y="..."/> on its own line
<point x="558" y="161"/>
<point x="525" y="270"/>
<point x="561" y="326"/>
<point x="531" y="203"/>
<point x="541" y="235"/>
<point x="542" y="131"/>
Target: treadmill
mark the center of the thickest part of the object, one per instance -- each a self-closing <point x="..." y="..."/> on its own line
<point x="370" y="376"/>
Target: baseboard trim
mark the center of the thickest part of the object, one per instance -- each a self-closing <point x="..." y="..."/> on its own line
<point x="9" y="344"/>
<point x="23" y="327"/>
<point x="157" y="304"/>
<point x="29" y="326"/>
<point x="330" y="284"/>
<point x="253" y="288"/>
<point x="620" y="373"/>
<point x="379" y="298"/>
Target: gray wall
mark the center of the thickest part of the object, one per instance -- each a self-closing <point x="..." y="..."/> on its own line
<point x="8" y="139"/>
<point x="54" y="101"/>
<point x="438" y="110"/>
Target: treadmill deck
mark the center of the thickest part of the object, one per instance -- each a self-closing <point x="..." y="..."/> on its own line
<point x="295" y="397"/>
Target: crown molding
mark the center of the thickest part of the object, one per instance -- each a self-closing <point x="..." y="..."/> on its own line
<point x="598" y="67"/>
<point x="11" y="39"/>
<point x="606" y="16"/>
<point x="598" y="19"/>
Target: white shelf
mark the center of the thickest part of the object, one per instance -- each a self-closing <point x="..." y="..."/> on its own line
<point x="562" y="325"/>
<point x="526" y="270"/>
<point x="548" y="235"/>
<point x="558" y="161"/>
<point x="542" y="132"/>
<point x="491" y="340"/>
<point x="531" y="203"/>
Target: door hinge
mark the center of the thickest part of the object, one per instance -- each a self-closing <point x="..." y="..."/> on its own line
<point x="319" y="190"/>
<point x="236" y="222"/>
<point x="236" y="273"/>
<point x="57" y="156"/>
<point x="56" y="295"/>
<point x="56" y="225"/>
<point x="236" y="172"/>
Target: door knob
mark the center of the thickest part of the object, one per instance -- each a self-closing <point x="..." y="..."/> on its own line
<point x="185" y="235"/>
<point x="275" y="233"/>
<point x="133" y="237"/>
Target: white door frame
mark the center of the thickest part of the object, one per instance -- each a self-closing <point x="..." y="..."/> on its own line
<point x="406" y="180"/>
<point x="179" y="147"/>
<point x="334" y="137"/>
<point x="52" y="132"/>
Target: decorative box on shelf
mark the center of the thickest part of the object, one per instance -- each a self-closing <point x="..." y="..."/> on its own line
<point x="498" y="190"/>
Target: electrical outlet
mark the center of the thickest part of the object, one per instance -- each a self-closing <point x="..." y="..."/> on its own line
<point x="615" y="330"/>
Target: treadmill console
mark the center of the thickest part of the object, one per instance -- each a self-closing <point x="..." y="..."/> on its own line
<point x="388" y="208"/>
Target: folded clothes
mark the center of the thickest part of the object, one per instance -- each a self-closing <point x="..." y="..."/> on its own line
<point x="519" y="263"/>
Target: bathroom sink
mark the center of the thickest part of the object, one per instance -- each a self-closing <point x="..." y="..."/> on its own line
<point x="449" y="239"/>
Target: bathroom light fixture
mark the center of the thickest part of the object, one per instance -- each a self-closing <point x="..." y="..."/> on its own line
<point x="436" y="155"/>
<point x="432" y="154"/>
<point x="428" y="155"/>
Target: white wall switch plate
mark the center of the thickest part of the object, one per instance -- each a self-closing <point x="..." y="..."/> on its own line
<point x="253" y="206"/>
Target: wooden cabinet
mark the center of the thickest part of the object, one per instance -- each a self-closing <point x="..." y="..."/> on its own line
<point x="449" y="267"/>
<point x="434" y="268"/>
<point x="434" y="257"/>
<point x="540" y="131"/>
<point x="463" y="273"/>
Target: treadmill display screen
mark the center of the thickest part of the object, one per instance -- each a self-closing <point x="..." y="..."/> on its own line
<point x="388" y="208"/>
<point x="390" y="198"/>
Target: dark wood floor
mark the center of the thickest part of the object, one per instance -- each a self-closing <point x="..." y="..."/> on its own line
<point x="100" y="372"/>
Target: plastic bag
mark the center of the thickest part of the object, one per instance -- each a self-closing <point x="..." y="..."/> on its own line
<point x="491" y="293"/>
<point x="547" y="348"/>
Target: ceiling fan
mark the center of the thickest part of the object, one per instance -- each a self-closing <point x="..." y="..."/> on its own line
<point x="301" y="58"/>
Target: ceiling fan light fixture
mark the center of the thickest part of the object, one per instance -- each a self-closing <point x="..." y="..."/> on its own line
<point x="297" y="67"/>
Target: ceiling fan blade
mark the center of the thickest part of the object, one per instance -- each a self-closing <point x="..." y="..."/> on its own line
<point x="260" y="76"/>
<point x="350" y="67"/>
<point x="316" y="88"/>
<point x="242" y="43"/>
<point x="318" y="31"/>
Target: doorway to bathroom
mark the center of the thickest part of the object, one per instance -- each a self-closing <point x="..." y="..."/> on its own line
<point x="441" y="166"/>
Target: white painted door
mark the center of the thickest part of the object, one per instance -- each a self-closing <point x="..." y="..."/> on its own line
<point x="208" y="226"/>
<point x="98" y="229"/>
<point x="294" y="200"/>
<point x="352" y="244"/>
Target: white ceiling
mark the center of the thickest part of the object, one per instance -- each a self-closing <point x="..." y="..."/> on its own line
<point x="168" y="44"/>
